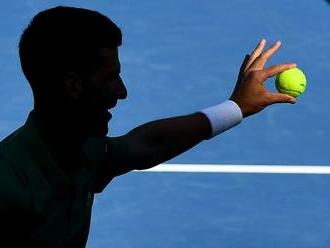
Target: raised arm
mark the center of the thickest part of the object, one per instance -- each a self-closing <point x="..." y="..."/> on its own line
<point x="158" y="141"/>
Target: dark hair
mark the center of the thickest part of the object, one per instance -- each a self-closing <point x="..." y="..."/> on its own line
<point x="61" y="40"/>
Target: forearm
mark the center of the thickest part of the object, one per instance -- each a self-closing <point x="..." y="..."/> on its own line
<point x="158" y="141"/>
<point x="161" y="140"/>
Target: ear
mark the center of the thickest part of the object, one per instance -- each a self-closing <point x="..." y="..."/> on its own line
<point x="72" y="86"/>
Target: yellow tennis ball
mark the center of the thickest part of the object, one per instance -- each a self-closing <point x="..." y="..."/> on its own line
<point x="291" y="82"/>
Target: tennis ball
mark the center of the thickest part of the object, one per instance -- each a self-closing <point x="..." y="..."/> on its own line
<point x="291" y="82"/>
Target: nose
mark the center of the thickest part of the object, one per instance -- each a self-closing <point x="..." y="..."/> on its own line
<point x="120" y="91"/>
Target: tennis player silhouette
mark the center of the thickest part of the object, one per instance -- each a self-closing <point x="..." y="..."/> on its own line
<point x="52" y="166"/>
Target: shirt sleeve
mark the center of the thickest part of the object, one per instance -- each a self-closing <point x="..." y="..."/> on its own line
<point x="102" y="153"/>
<point x="95" y="149"/>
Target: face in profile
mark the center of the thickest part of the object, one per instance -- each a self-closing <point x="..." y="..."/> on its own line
<point x="101" y="93"/>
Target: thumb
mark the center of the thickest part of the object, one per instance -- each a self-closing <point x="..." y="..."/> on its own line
<point x="281" y="98"/>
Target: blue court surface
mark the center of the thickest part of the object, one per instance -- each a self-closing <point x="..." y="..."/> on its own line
<point x="178" y="57"/>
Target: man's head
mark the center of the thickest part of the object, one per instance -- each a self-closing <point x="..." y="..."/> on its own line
<point x="70" y="58"/>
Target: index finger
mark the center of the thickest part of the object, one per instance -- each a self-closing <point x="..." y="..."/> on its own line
<point x="256" y="53"/>
<point x="260" y="62"/>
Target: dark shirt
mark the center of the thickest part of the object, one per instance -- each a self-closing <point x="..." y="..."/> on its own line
<point x="40" y="204"/>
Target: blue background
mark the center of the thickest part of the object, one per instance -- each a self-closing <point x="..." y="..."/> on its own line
<point x="178" y="57"/>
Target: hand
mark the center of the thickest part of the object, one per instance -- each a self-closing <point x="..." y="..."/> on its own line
<point x="250" y="93"/>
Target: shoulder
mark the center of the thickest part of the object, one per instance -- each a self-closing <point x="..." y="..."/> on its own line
<point x="12" y="180"/>
<point x="13" y="186"/>
<point x="11" y="149"/>
<point x="12" y="155"/>
<point x="108" y="157"/>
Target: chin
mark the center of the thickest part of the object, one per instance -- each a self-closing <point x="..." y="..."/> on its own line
<point x="100" y="131"/>
<point x="98" y="124"/>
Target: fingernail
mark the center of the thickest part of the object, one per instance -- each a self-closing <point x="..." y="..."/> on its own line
<point x="278" y="42"/>
<point x="293" y="101"/>
<point x="262" y="41"/>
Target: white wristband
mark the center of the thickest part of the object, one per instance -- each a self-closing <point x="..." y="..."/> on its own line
<point x="223" y="116"/>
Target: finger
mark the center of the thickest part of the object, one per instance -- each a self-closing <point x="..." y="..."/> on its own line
<point x="281" y="98"/>
<point x="256" y="52"/>
<point x="243" y="66"/>
<point x="269" y="52"/>
<point x="260" y="62"/>
<point x="276" y="69"/>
